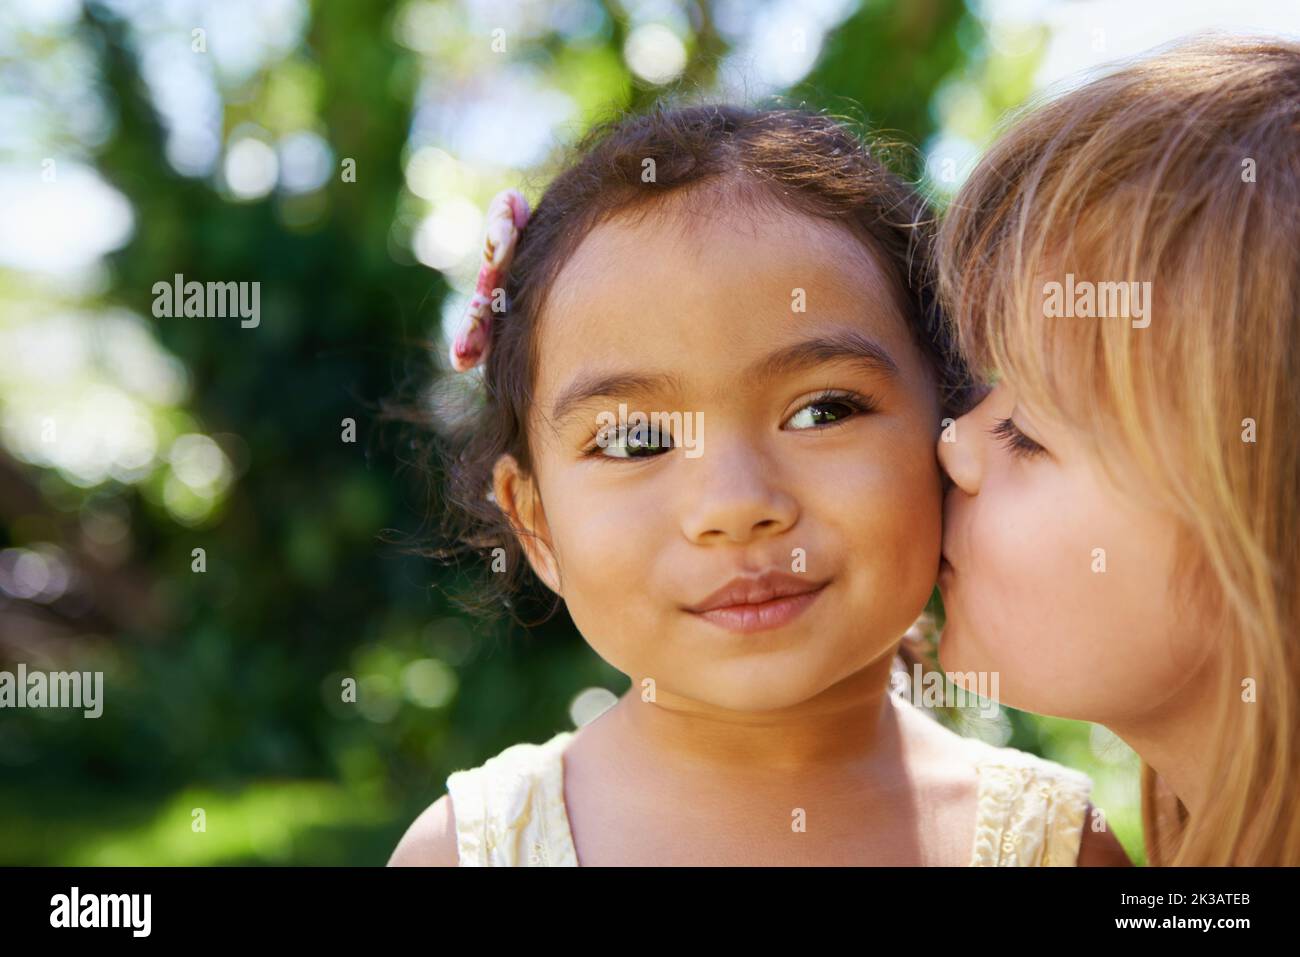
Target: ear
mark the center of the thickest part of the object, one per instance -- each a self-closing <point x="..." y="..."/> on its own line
<point x="517" y="496"/>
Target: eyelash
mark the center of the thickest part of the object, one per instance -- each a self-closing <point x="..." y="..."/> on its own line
<point x="1015" y="441"/>
<point x="857" y="402"/>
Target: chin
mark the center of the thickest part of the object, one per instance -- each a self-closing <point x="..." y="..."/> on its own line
<point x="762" y="697"/>
<point x="959" y="653"/>
<point x="953" y="650"/>
<point x="758" y="689"/>
<point x="1015" y="688"/>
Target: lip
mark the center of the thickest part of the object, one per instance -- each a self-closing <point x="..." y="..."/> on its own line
<point x="759" y="603"/>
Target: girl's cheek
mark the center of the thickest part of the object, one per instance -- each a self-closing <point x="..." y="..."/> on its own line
<point x="1012" y="606"/>
<point x="895" y="503"/>
<point x="1143" y="616"/>
<point x="1014" y="555"/>
<point x="1067" y="599"/>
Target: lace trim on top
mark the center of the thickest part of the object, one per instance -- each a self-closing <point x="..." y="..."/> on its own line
<point x="510" y="811"/>
<point x="1030" y="811"/>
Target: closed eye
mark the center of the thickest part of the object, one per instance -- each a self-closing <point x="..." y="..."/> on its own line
<point x="1015" y="441"/>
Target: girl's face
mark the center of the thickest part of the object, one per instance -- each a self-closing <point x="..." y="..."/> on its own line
<point x="1055" y="576"/>
<point x="809" y="452"/>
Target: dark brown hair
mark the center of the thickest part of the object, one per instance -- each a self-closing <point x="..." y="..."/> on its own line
<point x="803" y="161"/>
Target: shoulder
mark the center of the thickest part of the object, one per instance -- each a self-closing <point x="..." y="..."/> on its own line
<point x="489" y="808"/>
<point x="1015" y="779"/>
<point x="1032" y="811"/>
<point x="1025" y="769"/>
<point x="1101" y="848"/>
<point x="526" y="757"/>
<point x="431" y="840"/>
<point x="1029" y="810"/>
<point x="992" y="765"/>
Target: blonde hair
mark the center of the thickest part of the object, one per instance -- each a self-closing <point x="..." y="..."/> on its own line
<point x="1182" y="170"/>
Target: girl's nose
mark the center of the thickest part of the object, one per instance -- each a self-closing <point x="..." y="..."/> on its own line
<point x="961" y="453"/>
<point x="735" y="497"/>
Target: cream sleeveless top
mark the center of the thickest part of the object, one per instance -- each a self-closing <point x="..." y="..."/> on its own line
<point x="510" y="811"/>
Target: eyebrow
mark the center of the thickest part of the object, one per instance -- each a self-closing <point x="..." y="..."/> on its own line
<point x="848" y="346"/>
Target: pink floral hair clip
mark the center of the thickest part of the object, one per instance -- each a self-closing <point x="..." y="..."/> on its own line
<point x="507" y="215"/>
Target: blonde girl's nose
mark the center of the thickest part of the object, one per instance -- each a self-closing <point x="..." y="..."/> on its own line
<point x="961" y="452"/>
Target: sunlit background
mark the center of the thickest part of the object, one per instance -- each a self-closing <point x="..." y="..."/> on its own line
<point x="341" y="154"/>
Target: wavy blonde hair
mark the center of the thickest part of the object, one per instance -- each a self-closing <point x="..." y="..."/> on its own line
<point x="1182" y="169"/>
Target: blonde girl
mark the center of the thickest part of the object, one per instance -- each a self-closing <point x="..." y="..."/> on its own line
<point x="1122" y="539"/>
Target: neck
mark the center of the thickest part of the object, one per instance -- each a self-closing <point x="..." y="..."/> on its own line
<point x="837" y="729"/>
<point x="1171" y="739"/>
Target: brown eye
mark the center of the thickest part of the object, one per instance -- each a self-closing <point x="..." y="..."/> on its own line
<point x="828" y="409"/>
<point x="638" y="442"/>
<point x="1015" y="441"/>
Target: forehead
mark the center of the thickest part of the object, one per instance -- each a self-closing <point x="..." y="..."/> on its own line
<point x="703" y="292"/>
<point x="725" y="232"/>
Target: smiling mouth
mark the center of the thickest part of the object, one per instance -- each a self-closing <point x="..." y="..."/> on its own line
<point x="750" y="617"/>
